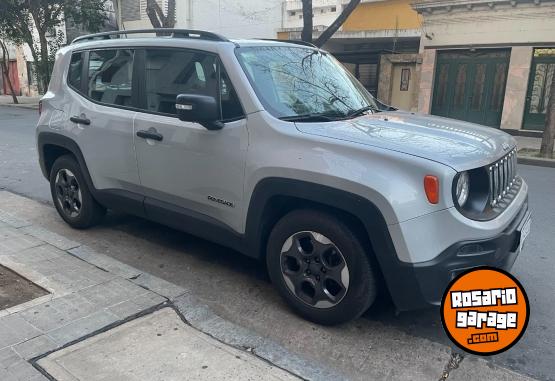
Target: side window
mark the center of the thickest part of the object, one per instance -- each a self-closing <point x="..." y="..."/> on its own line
<point x="75" y="70"/>
<point x="110" y="76"/>
<point x="173" y="72"/>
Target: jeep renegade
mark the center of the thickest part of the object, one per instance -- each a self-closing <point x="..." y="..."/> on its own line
<point x="275" y="150"/>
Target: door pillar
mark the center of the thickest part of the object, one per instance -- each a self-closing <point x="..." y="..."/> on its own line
<point x="427" y="71"/>
<point x="517" y="87"/>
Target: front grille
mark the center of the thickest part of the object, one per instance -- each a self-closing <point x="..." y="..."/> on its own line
<point x="503" y="181"/>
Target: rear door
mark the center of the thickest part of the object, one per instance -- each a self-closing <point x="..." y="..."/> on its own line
<point x="190" y="169"/>
<point x="101" y="116"/>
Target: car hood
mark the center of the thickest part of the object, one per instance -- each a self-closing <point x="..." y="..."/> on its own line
<point x="460" y="145"/>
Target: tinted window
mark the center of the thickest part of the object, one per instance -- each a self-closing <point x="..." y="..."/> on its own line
<point x="110" y="76"/>
<point x="75" y="70"/>
<point x="173" y="72"/>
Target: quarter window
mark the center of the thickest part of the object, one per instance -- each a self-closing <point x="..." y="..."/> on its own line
<point x="110" y="76"/>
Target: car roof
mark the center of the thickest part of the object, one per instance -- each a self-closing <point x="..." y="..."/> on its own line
<point x="175" y="37"/>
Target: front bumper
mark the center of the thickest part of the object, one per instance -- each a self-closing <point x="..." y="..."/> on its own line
<point x="423" y="284"/>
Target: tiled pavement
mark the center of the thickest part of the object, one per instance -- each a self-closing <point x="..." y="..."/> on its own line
<point x="87" y="292"/>
<point x="90" y="293"/>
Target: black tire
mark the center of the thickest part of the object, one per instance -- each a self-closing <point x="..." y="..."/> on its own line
<point x="90" y="211"/>
<point x="350" y="302"/>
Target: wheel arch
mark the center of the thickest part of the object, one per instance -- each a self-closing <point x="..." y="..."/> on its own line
<point x="51" y="146"/>
<point x="274" y="197"/>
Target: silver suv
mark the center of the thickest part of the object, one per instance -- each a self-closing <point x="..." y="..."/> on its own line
<point x="275" y="150"/>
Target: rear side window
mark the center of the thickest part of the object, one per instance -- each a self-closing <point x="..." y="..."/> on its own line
<point x="75" y="70"/>
<point x="110" y="76"/>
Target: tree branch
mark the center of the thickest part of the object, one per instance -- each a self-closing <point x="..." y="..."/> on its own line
<point x="330" y="31"/>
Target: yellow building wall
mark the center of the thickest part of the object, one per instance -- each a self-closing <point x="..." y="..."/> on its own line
<point x="388" y="14"/>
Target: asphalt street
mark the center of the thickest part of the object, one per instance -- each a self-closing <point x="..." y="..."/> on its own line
<point x="238" y="288"/>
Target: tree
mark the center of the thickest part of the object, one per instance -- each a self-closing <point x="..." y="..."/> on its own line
<point x="306" y="34"/>
<point x="39" y="24"/>
<point x="546" y="149"/>
<point x="156" y="14"/>
<point x="5" y="64"/>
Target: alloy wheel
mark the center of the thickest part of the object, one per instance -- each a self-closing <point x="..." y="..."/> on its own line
<point x="68" y="193"/>
<point x="314" y="269"/>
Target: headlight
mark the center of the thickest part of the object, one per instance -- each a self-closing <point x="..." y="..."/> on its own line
<point x="462" y="189"/>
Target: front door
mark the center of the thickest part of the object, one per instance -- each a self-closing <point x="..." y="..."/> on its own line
<point x="14" y="79"/>
<point x="541" y="75"/>
<point x="470" y="85"/>
<point x="187" y="167"/>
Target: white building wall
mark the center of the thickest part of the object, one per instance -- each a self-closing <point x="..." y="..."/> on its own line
<point x="325" y="12"/>
<point x="498" y="22"/>
<point x="233" y="19"/>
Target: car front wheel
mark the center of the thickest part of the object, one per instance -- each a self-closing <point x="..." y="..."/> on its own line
<point x="321" y="267"/>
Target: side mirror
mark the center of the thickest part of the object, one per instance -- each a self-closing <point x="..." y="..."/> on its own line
<point x="200" y="109"/>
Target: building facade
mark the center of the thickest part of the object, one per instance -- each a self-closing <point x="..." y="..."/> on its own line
<point x="378" y="43"/>
<point x="488" y="62"/>
<point x="234" y="19"/>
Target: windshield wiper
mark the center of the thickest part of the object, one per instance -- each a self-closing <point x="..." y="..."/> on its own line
<point x="309" y="118"/>
<point x="361" y="111"/>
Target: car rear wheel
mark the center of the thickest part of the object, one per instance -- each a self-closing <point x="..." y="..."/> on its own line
<point x="320" y="266"/>
<point x="71" y="196"/>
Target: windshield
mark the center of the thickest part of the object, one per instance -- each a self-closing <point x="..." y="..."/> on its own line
<point x="293" y="82"/>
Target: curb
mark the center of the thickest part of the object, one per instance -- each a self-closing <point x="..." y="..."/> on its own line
<point x="28" y="106"/>
<point x="549" y="163"/>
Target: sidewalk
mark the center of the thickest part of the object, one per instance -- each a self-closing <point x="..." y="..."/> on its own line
<point x="24" y="102"/>
<point x="101" y="317"/>
<point x="528" y="149"/>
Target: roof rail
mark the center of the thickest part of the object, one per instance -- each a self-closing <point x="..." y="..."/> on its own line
<point x="298" y="42"/>
<point x="173" y="33"/>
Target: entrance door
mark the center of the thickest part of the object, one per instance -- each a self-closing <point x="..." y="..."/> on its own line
<point x="471" y="85"/>
<point x="541" y="75"/>
<point x="14" y="78"/>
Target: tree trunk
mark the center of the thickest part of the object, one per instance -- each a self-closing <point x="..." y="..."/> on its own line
<point x="6" y="71"/>
<point x="170" y="18"/>
<point x="330" y="31"/>
<point x="152" y="13"/>
<point x="546" y="149"/>
<point x="308" y="21"/>
<point x="156" y="14"/>
<point x="44" y="65"/>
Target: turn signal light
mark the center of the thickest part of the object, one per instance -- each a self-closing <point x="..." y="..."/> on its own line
<point x="431" y="186"/>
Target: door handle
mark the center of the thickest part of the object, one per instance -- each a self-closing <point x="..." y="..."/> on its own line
<point x="150" y="134"/>
<point x="80" y="120"/>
